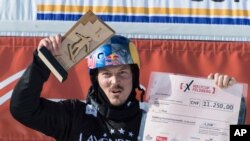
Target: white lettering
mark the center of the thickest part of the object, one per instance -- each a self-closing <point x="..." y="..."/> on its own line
<point x="239" y="132"/>
<point x="94" y="138"/>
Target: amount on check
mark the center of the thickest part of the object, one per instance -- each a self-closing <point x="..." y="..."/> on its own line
<point x="217" y="105"/>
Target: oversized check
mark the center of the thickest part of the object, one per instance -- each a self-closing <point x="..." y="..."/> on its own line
<point x="184" y="108"/>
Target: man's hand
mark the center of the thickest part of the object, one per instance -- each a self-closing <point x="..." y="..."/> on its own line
<point x="222" y="80"/>
<point x="52" y="43"/>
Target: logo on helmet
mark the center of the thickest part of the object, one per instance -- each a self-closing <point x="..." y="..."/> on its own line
<point x="113" y="59"/>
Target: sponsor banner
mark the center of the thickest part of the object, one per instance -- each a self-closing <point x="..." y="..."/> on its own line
<point x="174" y="19"/>
<point x="171" y="11"/>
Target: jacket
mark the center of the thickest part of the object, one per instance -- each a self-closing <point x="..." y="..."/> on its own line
<point x="67" y="120"/>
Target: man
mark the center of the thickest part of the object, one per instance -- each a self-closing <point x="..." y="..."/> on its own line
<point x="111" y="112"/>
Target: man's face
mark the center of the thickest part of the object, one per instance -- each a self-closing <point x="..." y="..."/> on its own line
<point x="116" y="82"/>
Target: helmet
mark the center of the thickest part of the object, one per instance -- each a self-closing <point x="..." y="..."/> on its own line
<point x="118" y="50"/>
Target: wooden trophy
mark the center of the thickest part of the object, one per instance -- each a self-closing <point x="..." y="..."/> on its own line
<point x="85" y="36"/>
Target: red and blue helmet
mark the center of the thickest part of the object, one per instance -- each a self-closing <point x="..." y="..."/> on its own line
<point x="118" y="50"/>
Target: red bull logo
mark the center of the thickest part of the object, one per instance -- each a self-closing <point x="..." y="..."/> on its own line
<point x="112" y="57"/>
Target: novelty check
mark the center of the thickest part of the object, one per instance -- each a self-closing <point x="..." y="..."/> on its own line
<point x="184" y="108"/>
